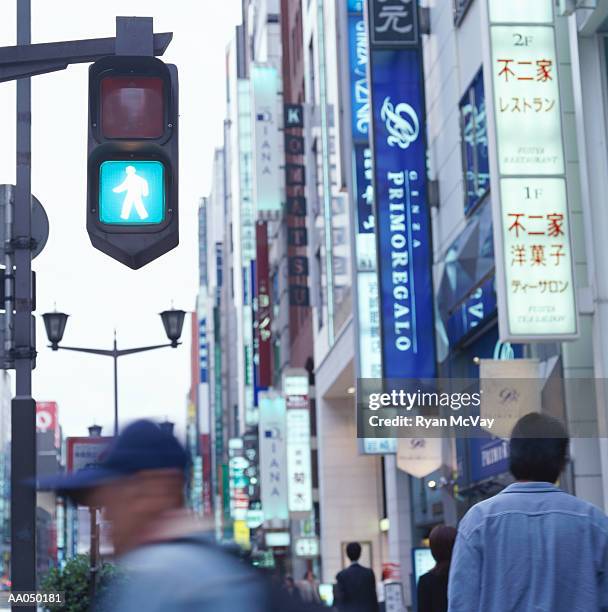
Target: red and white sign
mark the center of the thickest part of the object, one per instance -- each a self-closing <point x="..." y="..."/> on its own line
<point x="264" y="310"/>
<point x="47" y="420"/>
<point x="85" y="452"/>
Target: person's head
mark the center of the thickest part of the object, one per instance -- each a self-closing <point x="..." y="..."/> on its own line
<point x="441" y="541"/>
<point x="538" y="448"/>
<point x="309" y="575"/>
<point x="353" y="551"/>
<point x="141" y="477"/>
<point x="289" y="582"/>
<point x="130" y="170"/>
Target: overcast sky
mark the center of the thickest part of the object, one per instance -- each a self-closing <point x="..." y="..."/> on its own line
<point x="99" y="293"/>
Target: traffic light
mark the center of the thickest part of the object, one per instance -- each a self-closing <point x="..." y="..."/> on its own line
<point x="132" y="199"/>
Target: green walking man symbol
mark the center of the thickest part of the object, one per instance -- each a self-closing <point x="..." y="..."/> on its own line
<point x="137" y="189"/>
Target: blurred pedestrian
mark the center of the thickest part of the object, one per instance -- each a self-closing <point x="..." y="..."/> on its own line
<point x="291" y="589"/>
<point x="167" y="561"/>
<point x="309" y="588"/>
<point x="355" y="589"/>
<point x="532" y="546"/>
<point x="433" y="586"/>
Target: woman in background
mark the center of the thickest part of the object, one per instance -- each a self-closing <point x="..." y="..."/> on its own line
<point x="433" y="586"/>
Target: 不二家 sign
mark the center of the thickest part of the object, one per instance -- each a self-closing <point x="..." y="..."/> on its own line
<point x="532" y="235"/>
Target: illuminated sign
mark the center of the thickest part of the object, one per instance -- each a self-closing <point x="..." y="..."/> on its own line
<point x="369" y="363"/>
<point x="299" y="472"/>
<point x="535" y="280"/>
<point x="131" y="192"/>
<point x="265" y="81"/>
<point x="273" y="463"/>
<point x="402" y="220"/>
<point x="307" y="547"/>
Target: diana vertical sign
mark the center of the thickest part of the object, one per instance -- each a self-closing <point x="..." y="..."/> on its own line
<point x="401" y="208"/>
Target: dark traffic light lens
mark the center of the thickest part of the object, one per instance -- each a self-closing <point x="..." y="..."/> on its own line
<point x="132" y="107"/>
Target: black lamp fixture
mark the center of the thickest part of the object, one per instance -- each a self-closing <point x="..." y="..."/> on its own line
<point x="167" y="426"/>
<point x="94" y="431"/>
<point x="173" y="321"/>
<point x="55" y="323"/>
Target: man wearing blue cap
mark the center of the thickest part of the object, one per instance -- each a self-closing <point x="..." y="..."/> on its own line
<point x="169" y="565"/>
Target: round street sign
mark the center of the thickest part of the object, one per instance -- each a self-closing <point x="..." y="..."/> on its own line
<point x="40" y="220"/>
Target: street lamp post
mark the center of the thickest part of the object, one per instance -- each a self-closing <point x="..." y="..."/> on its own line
<point x="55" y="323"/>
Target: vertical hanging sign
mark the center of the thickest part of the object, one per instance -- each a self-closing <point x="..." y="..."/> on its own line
<point x="265" y="82"/>
<point x="264" y="308"/>
<point x="534" y="263"/>
<point x="299" y="470"/>
<point x="402" y="220"/>
<point x="273" y="462"/>
<point x="368" y="309"/>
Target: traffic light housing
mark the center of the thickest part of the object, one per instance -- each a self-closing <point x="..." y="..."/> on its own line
<point x="132" y="187"/>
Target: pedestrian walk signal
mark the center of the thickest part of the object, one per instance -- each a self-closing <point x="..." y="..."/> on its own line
<point x="131" y="192"/>
<point x="132" y="200"/>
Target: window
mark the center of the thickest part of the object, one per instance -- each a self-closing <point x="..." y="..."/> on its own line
<point x="474" y="134"/>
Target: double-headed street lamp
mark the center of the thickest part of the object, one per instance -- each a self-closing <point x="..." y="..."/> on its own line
<point x="55" y="322"/>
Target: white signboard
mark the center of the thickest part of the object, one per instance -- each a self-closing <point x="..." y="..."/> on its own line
<point x="85" y="452"/>
<point x="538" y="257"/>
<point x="526" y="100"/>
<point x="521" y="11"/>
<point x="510" y="389"/>
<point x="295" y="382"/>
<point x="534" y="264"/>
<point x="370" y="361"/>
<point x="273" y="464"/>
<point x="265" y="80"/>
<point x="393" y="597"/>
<point x="299" y="471"/>
<point x="419" y="456"/>
<point x="307" y="547"/>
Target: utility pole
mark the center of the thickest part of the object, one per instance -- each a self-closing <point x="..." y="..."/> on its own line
<point x="23" y="410"/>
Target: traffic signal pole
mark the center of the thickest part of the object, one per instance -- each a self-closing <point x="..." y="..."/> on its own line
<point x="23" y="408"/>
<point x="20" y="63"/>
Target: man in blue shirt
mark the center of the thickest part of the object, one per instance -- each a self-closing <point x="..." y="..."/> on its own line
<point x="532" y="547"/>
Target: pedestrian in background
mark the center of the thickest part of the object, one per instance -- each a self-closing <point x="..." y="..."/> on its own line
<point x="433" y="586"/>
<point x="291" y="589"/>
<point x="532" y="546"/>
<point x="356" y="585"/>
<point x="309" y="588"/>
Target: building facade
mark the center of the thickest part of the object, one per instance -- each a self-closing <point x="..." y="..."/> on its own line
<point x="298" y="237"/>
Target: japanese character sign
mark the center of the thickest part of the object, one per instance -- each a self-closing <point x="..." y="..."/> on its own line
<point x="538" y="257"/>
<point x="394" y="22"/>
<point x="526" y="100"/>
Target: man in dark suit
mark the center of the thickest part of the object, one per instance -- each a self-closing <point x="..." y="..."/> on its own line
<point x="356" y="585"/>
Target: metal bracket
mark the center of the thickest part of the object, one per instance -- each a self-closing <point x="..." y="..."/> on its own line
<point x="22" y="243"/>
<point x="424" y="19"/>
<point x="132" y="38"/>
<point x="433" y="193"/>
<point x="22" y="352"/>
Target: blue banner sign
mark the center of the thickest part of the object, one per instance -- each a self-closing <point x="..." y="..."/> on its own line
<point x="359" y="94"/>
<point x="479" y="306"/>
<point x="364" y="188"/>
<point x="203" y="350"/>
<point x="402" y="216"/>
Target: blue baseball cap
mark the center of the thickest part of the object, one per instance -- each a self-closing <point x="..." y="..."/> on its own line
<point x="142" y="445"/>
